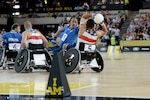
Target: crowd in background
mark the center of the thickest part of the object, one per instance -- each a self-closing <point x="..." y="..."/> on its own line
<point x="139" y="28"/>
<point x="114" y="22"/>
<point x="100" y="2"/>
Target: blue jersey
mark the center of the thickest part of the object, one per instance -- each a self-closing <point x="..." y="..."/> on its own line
<point x="11" y="37"/>
<point x="69" y="35"/>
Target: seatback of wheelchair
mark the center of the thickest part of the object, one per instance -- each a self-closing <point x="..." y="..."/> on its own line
<point x="39" y="56"/>
<point x="8" y="54"/>
<point x="91" y="57"/>
<point x="87" y="51"/>
<point x="33" y="58"/>
<point x="11" y="51"/>
<point x="87" y="48"/>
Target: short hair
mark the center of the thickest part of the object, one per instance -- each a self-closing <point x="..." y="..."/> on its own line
<point x="28" y="24"/>
<point x="73" y="17"/>
<point x="15" y="25"/>
<point x="90" y="23"/>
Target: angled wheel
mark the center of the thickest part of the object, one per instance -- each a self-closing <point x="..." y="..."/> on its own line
<point x="71" y="60"/>
<point x="48" y="59"/>
<point x="22" y="60"/>
<point x="100" y="62"/>
<point x="2" y="55"/>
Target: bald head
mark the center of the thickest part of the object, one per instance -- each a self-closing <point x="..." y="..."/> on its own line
<point x="27" y="24"/>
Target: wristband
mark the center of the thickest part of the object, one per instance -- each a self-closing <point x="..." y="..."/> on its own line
<point x="82" y="21"/>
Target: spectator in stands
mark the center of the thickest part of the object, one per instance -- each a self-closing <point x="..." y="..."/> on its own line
<point x="128" y="32"/>
<point x="123" y="36"/>
<point x="104" y="1"/>
<point x="117" y="35"/>
<point x="30" y="15"/>
<point x="79" y="15"/>
<point x="50" y="36"/>
<point x="107" y="12"/>
<point x="132" y="26"/>
<point x="34" y="15"/>
<point x="113" y="40"/>
<point x="139" y="36"/>
<point x="3" y="31"/>
<point x="86" y="6"/>
<point x="14" y="36"/>
<point x="99" y="2"/>
<point x="32" y="36"/>
<point x="54" y="15"/>
<point x="56" y="3"/>
<point x="146" y="36"/>
<point x="48" y="14"/>
<point x="60" y="15"/>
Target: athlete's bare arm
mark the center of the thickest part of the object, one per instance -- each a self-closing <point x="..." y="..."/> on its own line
<point x="1" y="39"/>
<point x="44" y="39"/>
<point x="102" y="32"/>
<point x="82" y="29"/>
<point x="58" y="32"/>
<point x="83" y="20"/>
<point x="1" y="42"/>
<point x="57" y="38"/>
<point x="24" y="39"/>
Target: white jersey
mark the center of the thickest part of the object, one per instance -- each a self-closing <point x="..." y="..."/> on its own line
<point x="35" y="38"/>
<point x="88" y="38"/>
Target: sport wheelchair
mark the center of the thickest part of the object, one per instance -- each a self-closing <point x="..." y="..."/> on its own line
<point x="35" y="57"/>
<point x="86" y="56"/>
<point x="8" y="55"/>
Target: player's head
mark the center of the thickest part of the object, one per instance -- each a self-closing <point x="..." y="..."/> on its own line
<point x="27" y="24"/>
<point x="73" y="22"/>
<point x="90" y="24"/>
<point x="16" y="27"/>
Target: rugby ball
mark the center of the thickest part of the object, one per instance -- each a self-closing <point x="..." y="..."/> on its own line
<point x="98" y="18"/>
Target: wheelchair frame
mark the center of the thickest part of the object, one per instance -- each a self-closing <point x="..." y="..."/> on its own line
<point x="80" y="64"/>
<point x="25" y="63"/>
<point x="5" y="61"/>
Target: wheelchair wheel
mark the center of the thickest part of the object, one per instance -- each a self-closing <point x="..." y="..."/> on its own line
<point x="22" y="60"/>
<point x="2" y="54"/>
<point x="100" y="62"/>
<point x="49" y="60"/>
<point x="71" y="60"/>
<point x="48" y="57"/>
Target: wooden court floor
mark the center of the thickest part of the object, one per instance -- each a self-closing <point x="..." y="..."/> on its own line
<point x="125" y="75"/>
